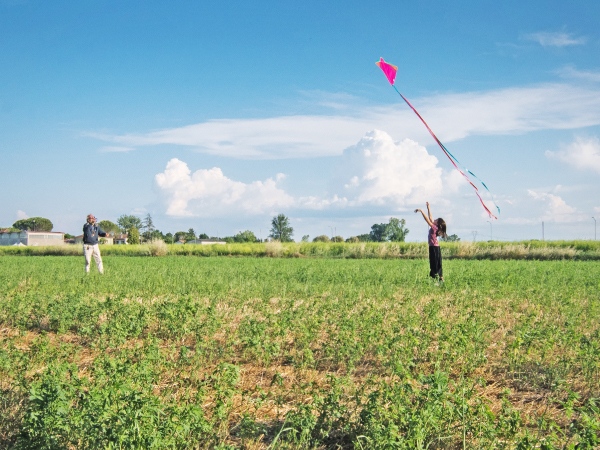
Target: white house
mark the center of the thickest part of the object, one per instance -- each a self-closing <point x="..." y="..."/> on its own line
<point x="33" y="238"/>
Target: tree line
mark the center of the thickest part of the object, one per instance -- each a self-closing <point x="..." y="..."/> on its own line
<point x="143" y="230"/>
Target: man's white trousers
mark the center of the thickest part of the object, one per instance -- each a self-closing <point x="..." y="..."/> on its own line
<point x="88" y="251"/>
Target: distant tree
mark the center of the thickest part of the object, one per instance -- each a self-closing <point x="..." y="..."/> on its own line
<point x="228" y="239"/>
<point x="191" y="235"/>
<point x="379" y="232"/>
<point x="245" y="236"/>
<point x="353" y="239"/>
<point x="337" y="239"/>
<point x="133" y="236"/>
<point x="203" y="236"/>
<point x="451" y="238"/>
<point x="126" y="222"/>
<point x="34" y="224"/>
<point x="169" y="238"/>
<point x="305" y="238"/>
<point x="397" y="230"/>
<point x="180" y="235"/>
<point x="109" y="227"/>
<point x="394" y="231"/>
<point x="147" y="224"/>
<point x="364" y="237"/>
<point x="154" y="234"/>
<point x="281" y="229"/>
<point x="69" y="236"/>
<point x="322" y="238"/>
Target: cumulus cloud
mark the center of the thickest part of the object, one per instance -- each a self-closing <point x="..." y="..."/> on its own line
<point x="209" y="193"/>
<point x="582" y="154"/>
<point x="379" y="171"/>
<point x="555" y="39"/>
<point x="452" y="116"/>
<point x="375" y="172"/>
<point x="555" y="208"/>
<point x="22" y="215"/>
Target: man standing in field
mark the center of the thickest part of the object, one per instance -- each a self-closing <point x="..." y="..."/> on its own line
<point x="91" y="231"/>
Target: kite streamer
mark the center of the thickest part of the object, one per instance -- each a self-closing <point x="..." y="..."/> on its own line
<point x="390" y="73"/>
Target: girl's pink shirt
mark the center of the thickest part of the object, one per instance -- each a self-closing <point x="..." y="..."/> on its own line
<point x="432" y="238"/>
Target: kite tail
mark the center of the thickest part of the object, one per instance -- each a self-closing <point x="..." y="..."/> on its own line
<point x="453" y="159"/>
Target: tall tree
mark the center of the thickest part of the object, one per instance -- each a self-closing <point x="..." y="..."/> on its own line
<point x="34" y="224"/>
<point x="191" y="234"/>
<point x="133" y="236"/>
<point x="379" y="232"/>
<point x="394" y="231"/>
<point x="126" y="222"/>
<point x="281" y="229"/>
<point x="108" y="226"/>
<point x="397" y="230"/>
<point x="147" y="224"/>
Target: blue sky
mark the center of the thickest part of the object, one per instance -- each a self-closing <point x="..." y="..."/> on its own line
<point x="218" y="116"/>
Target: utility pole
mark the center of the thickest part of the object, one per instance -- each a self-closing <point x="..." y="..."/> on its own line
<point x="594" y="228"/>
<point x="543" y="231"/>
<point x="474" y="233"/>
<point x="33" y="224"/>
<point x="491" y="231"/>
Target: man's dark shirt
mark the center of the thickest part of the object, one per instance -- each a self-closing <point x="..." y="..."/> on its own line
<point x="91" y="233"/>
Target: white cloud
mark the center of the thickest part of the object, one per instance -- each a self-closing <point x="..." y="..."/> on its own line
<point x="209" y="193"/>
<point x="581" y="154"/>
<point x="555" y="39"/>
<point x="555" y="208"/>
<point x="115" y="149"/>
<point x="572" y="72"/>
<point x="376" y="172"/>
<point x="22" y="215"/>
<point x="451" y="116"/>
<point x="379" y="171"/>
<point x="597" y="209"/>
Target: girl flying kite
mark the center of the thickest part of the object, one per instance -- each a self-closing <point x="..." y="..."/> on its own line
<point x="437" y="228"/>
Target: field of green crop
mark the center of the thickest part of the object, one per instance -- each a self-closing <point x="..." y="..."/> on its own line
<point x="256" y="353"/>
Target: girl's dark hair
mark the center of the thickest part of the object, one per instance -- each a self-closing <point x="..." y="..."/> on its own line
<point x="441" y="231"/>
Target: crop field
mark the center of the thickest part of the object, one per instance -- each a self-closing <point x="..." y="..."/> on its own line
<point x="295" y="353"/>
<point x="529" y="250"/>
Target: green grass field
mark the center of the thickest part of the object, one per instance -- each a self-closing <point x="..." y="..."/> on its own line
<point x="180" y="352"/>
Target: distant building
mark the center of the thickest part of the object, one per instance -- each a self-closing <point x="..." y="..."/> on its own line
<point x="32" y="238"/>
<point x="120" y="239"/>
<point x="206" y="241"/>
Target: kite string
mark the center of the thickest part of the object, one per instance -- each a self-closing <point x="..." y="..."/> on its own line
<point x="451" y="157"/>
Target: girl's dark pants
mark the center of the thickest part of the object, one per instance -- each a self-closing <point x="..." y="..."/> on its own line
<point x="435" y="262"/>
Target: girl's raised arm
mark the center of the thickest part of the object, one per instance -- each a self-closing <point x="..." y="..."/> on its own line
<point x="427" y="219"/>
<point x="429" y="214"/>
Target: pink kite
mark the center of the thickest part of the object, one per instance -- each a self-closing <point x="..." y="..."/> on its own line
<point x="390" y="73"/>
